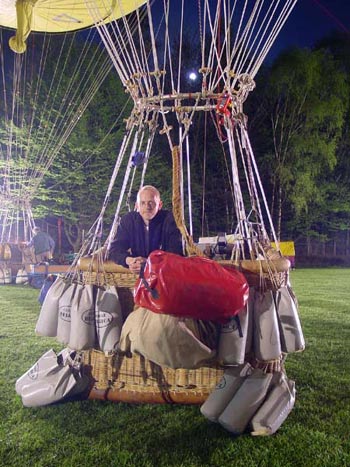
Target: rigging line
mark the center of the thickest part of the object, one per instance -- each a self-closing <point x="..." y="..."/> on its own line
<point x="189" y="184"/>
<point x="123" y="188"/>
<point x="148" y="155"/>
<point x="204" y="172"/>
<point x="240" y="53"/>
<point x="114" y="124"/>
<point x="135" y="64"/>
<point x="246" y="141"/>
<point x="79" y="87"/>
<point x="143" y="53"/>
<point x="106" y="38"/>
<point x="71" y="118"/>
<point x="261" y="33"/>
<point x="46" y="114"/>
<point x="68" y="129"/>
<point x="180" y="46"/>
<point x="213" y="53"/>
<point x="288" y="7"/>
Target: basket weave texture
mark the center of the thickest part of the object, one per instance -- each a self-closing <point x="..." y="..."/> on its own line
<point x="135" y="379"/>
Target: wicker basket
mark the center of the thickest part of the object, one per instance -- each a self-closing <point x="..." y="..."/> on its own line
<point x="268" y="274"/>
<point x="135" y="379"/>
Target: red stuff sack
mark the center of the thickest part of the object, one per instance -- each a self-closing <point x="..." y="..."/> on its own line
<point x="192" y="287"/>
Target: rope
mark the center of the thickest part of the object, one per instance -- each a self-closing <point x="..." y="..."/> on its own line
<point x="191" y="248"/>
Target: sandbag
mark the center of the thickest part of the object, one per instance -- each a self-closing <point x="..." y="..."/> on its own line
<point x="83" y="330"/>
<point x="109" y="318"/>
<point x="166" y="340"/>
<point x="267" y="345"/>
<point x="235" y="339"/>
<point x="5" y="275"/>
<point x="46" y="363"/>
<point x="230" y="382"/>
<point x="64" y="312"/>
<point x="193" y="287"/>
<point x="48" y="318"/>
<point x="292" y="337"/>
<point x="246" y="401"/>
<point x="275" y="409"/>
<point x="61" y="377"/>
<point x="21" y="277"/>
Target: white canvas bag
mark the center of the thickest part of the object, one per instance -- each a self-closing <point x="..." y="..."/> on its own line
<point x="83" y="330"/>
<point x="48" y="318"/>
<point x="109" y="318"/>
<point x="64" y="312"/>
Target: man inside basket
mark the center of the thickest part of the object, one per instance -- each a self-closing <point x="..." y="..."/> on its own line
<point x="144" y="230"/>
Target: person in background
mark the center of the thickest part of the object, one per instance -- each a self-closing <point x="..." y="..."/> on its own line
<point x="144" y="230"/>
<point x="42" y="244"/>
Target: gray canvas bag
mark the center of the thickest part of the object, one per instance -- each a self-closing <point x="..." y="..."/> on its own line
<point x="267" y="345"/>
<point x="62" y="380"/>
<point x="246" y="401"/>
<point x="276" y="407"/>
<point x="223" y="393"/>
<point x="235" y="339"/>
<point x="292" y="337"/>
<point x="109" y="318"/>
<point x="48" y="318"/>
<point x="46" y="363"/>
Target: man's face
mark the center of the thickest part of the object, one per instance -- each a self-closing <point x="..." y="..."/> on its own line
<point x="148" y="205"/>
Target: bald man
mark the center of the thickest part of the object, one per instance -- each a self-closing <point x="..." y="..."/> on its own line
<point x="144" y="230"/>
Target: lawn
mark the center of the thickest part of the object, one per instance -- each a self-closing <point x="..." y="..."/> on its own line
<point x="95" y="433"/>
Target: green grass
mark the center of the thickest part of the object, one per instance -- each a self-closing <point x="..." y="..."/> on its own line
<point x="96" y="433"/>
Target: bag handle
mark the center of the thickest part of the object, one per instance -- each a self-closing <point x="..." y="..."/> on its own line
<point x="154" y="293"/>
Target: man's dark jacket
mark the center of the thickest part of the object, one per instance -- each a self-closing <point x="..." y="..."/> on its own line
<point x="132" y="238"/>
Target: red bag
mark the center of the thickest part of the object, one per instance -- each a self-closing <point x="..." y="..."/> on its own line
<point x="193" y="287"/>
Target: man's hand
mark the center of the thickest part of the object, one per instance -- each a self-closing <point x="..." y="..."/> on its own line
<point x="135" y="263"/>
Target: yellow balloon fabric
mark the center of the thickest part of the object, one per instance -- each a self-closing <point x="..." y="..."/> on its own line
<point x="58" y="16"/>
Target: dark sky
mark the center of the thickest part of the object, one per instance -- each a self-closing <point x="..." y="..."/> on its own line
<point x="310" y="21"/>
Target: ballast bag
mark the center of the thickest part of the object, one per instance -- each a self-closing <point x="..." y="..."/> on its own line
<point x="109" y="318"/>
<point x="83" y="330"/>
<point x="62" y="377"/>
<point x="46" y="363"/>
<point x="235" y="339"/>
<point x="193" y="287"/>
<point x="229" y="384"/>
<point x="275" y="409"/>
<point x="246" y="401"/>
<point x="166" y="340"/>
<point x="267" y="344"/>
<point x="48" y="317"/>
<point x="292" y="337"/>
<point x="21" y="277"/>
<point x="64" y="312"/>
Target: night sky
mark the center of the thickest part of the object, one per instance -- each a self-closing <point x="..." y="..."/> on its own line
<point x="310" y="21"/>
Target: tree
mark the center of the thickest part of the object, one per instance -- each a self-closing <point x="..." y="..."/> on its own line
<point x="306" y="111"/>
